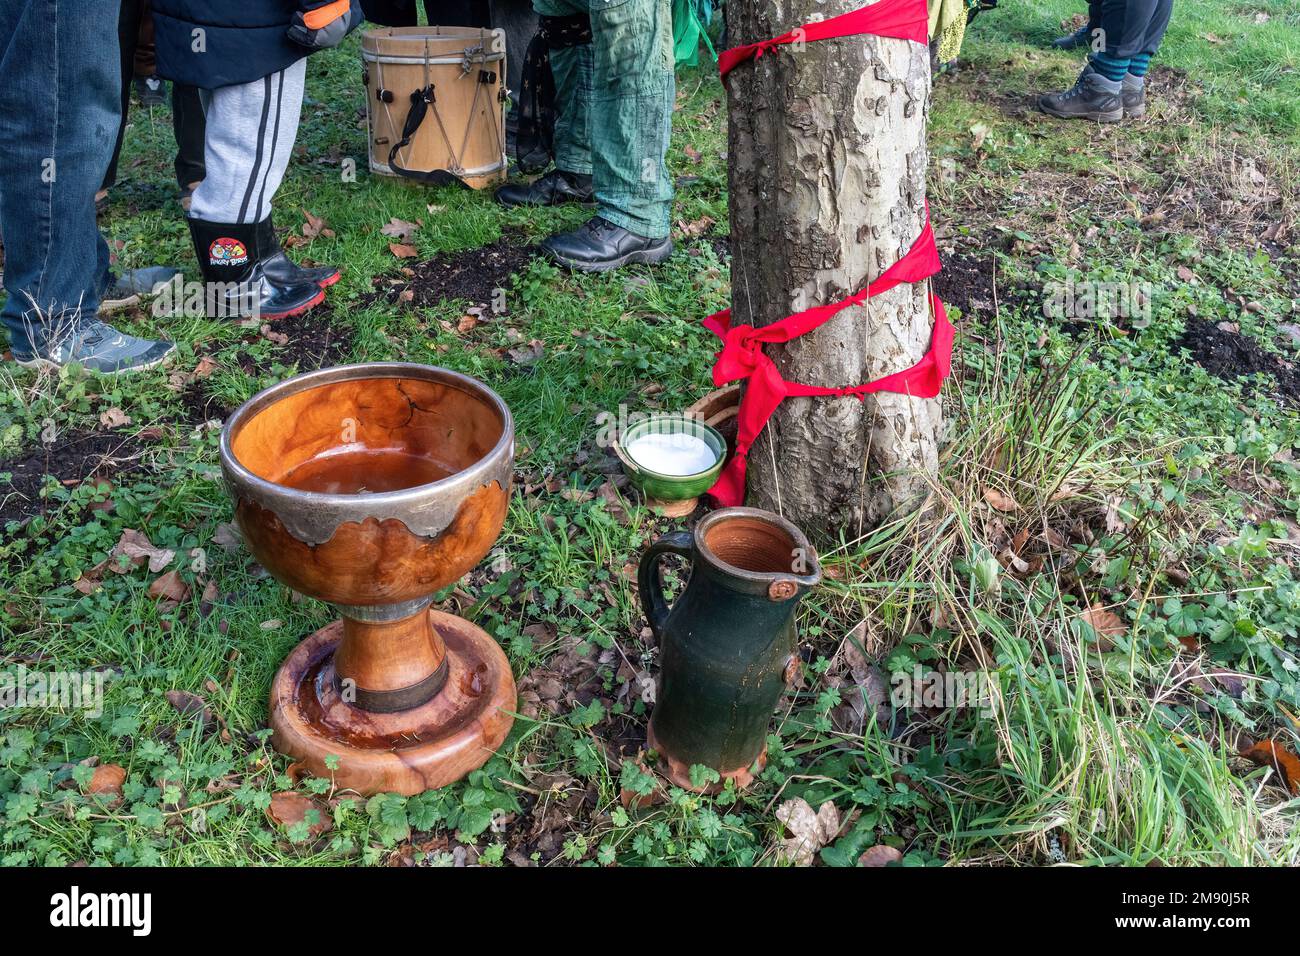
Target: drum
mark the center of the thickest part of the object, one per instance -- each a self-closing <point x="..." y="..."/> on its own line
<point x="435" y="103"/>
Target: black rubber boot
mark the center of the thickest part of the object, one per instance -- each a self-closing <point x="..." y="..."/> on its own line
<point x="555" y="188"/>
<point x="282" y="270"/>
<point x="598" y="245"/>
<point x="230" y="258"/>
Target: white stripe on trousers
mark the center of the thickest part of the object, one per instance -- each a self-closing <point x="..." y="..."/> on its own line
<point x="251" y="130"/>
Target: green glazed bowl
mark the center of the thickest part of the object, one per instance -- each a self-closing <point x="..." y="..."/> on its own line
<point x="671" y="487"/>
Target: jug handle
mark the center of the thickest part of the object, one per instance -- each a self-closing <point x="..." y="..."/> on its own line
<point x="650" y="582"/>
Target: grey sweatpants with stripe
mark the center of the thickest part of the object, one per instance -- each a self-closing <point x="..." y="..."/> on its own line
<point x="251" y="130"/>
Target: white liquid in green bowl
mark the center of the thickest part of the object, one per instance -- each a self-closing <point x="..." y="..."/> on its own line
<point x="674" y="454"/>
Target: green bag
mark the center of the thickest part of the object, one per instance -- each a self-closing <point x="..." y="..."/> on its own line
<point x="690" y="25"/>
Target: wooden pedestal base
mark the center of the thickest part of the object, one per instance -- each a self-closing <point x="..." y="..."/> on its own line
<point x="679" y="772"/>
<point x="407" y="751"/>
<point x="673" y="509"/>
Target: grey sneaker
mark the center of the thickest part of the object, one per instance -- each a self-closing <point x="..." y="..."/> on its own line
<point x="98" y="347"/>
<point x="1134" y="96"/>
<point x="1090" y="98"/>
<point x="127" y="288"/>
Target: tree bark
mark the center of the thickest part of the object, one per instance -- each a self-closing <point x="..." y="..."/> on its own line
<point x="827" y="165"/>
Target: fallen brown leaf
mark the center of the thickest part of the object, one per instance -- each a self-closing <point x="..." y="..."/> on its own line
<point x="400" y="229"/>
<point x="402" y="250"/>
<point x="1000" y="501"/>
<point x="107" y="781"/>
<point x="696" y="227"/>
<point x="1107" y="625"/>
<point x="879" y="855"/>
<point x="809" y="831"/>
<point x="169" y="587"/>
<point x="136" y="548"/>
<point x="279" y="338"/>
<point x="288" y="808"/>
<point x="183" y="702"/>
<point x="315" y="226"/>
<point x="114" y="418"/>
<point x="1270" y="753"/>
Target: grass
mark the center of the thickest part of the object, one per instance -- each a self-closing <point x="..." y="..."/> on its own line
<point x="1093" y="468"/>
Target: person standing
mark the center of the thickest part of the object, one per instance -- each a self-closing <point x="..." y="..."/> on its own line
<point x="135" y="40"/>
<point x="249" y="62"/>
<point x="1112" y="85"/>
<point x="60" y="106"/>
<point x="612" y="63"/>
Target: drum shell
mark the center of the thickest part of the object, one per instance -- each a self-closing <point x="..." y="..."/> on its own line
<point x="470" y="141"/>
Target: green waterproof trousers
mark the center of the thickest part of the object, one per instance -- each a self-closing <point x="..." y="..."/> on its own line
<point x="615" y="100"/>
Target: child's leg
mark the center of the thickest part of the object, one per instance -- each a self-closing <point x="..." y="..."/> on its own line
<point x="251" y="129"/>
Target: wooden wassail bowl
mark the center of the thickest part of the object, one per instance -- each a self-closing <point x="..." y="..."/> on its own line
<point x="371" y="487"/>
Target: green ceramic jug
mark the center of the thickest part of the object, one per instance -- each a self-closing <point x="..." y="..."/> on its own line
<point x="726" y="642"/>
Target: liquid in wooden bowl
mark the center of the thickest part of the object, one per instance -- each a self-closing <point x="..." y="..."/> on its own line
<point x="366" y="471"/>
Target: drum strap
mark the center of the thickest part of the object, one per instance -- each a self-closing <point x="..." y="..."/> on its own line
<point x="535" y="137"/>
<point x="421" y="102"/>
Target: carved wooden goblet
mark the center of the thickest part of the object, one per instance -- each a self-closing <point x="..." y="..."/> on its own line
<point x="371" y="487"/>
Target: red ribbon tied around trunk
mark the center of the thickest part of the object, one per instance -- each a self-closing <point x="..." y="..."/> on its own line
<point x="742" y="355"/>
<point x="901" y="19"/>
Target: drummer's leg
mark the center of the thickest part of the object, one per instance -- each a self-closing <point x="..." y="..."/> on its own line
<point x="572" y="69"/>
<point x="251" y="130"/>
<point x="632" y="112"/>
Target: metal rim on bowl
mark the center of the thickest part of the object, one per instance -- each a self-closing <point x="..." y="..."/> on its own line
<point x="313" y="517"/>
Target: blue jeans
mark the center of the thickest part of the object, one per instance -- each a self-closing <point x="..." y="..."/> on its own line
<point x="60" y="91"/>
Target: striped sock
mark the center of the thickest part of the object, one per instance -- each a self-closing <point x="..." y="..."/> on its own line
<point x="1139" y="63"/>
<point x="1111" y="67"/>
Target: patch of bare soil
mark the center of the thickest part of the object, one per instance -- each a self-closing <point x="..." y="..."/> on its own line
<point x="1231" y="355"/>
<point x="312" y="340"/>
<point x="472" y="275"/>
<point x="199" y="405"/>
<point x="72" y="460"/>
<point x="967" y="282"/>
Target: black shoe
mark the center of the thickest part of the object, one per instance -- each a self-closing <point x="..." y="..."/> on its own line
<point x="555" y="188"/>
<point x="282" y="270"/>
<point x="1087" y="99"/>
<point x="1072" y="41"/>
<point x="598" y="245"/>
<point x="230" y="259"/>
<point x="151" y="90"/>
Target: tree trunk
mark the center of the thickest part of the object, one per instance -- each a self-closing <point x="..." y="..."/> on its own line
<point x="827" y="159"/>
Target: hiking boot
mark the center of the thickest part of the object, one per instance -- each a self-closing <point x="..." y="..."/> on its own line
<point x="231" y="260"/>
<point x="1089" y="98"/>
<point x="598" y="245"/>
<point x="1133" y="96"/>
<point x="125" y="289"/>
<point x="1072" y="41"/>
<point x="282" y="270"/>
<point x="555" y="188"/>
<point x="97" y="346"/>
